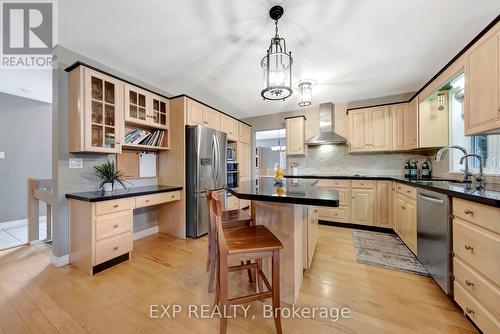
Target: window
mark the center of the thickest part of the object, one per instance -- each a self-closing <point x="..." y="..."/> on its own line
<point x="487" y="146"/>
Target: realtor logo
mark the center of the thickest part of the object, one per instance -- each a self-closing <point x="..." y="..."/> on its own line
<point x="27" y="34"/>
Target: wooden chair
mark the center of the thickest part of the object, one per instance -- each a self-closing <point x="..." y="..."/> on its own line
<point x="249" y="243"/>
<point x="230" y="219"/>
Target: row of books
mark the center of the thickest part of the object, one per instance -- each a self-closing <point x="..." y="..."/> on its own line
<point x="144" y="137"/>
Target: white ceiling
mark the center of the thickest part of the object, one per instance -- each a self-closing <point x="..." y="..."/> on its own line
<point x="31" y="84"/>
<point x="212" y="49"/>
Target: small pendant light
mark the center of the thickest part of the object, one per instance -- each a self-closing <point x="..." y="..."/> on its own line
<point x="277" y="65"/>
<point x="305" y="93"/>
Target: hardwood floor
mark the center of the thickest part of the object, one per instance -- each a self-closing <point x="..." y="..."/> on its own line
<point x="35" y="297"/>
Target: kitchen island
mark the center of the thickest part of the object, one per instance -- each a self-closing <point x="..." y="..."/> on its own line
<point x="284" y="209"/>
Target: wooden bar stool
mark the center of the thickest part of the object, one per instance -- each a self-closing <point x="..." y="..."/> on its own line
<point x="249" y="243"/>
<point x="230" y="219"/>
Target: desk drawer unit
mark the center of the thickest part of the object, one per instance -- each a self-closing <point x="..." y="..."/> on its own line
<point x="105" y="207"/>
<point x="113" y="224"/>
<point x="110" y="248"/>
<point x="155" y="199"/>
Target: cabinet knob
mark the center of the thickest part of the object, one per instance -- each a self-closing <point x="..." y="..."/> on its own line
<point x="469" y="310"/>
<point x="468" y="212"/>
<point x="469" y="248"/>
<point x="469" y="283"/>
<point x="118" y="142"/>
<point x="115" y="226"/>
<point x="115" y="206"/>
<point x="173" y="196"/>
<point x="115" y="248"/>
<point x="147" y="201"/>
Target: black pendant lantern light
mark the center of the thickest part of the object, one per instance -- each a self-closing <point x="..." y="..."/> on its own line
<point x="277" y="65"/>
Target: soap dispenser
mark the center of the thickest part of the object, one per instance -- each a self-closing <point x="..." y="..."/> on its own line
<point x="426" y="170"/>
<point x="413" y="169"/>
<point x="407" y="169"/>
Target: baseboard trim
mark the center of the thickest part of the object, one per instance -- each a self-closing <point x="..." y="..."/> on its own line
<point x="59" y="261"/>
<point x="147" y="232"/>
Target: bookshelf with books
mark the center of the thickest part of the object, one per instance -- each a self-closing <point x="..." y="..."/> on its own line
<point x="146" y="138"/>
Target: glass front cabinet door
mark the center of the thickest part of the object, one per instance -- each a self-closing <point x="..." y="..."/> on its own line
<point x="137" y="105"/>
<point x="95" y="112"/>
<point x="159" y="117"/>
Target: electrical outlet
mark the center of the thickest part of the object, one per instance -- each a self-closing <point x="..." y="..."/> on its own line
<point x="2" y="155"/>
<point x="75" y="163"/>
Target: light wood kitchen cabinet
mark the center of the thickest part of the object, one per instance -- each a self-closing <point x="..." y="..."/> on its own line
<point x="160" y="116"/>
<point x="295" y="135"/>
<point x="145" y="108"/>
<point x="342" y="213"/>
<point x="243" y="155"/>
<point x="362" y="203"/>
<point x="137" y="105"/>
<point x="405" y="216"/>
<point x="404" y="125"/>
<point x="482" y="85"/>
<point x="383" y="204"/>
<point x="244" y="133"/>
<point x="476" y="249"/>
<point x="230" y="126"/>
<point x="358" y="136"/>
<point x="371" y="129"/>
<point x="199" y="114"/>
<point x="95" y="119"/>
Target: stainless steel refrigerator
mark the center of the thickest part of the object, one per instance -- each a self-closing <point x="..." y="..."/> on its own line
<point x="205" y="167"/>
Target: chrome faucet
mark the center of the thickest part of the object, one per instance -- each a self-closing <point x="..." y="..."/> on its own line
<point x="479" y="177"/>
<point x="441" y="153"/>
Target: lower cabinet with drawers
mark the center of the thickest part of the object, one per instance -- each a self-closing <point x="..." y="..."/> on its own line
<point x="101" y="232"/>
<point x="476" y="262"/>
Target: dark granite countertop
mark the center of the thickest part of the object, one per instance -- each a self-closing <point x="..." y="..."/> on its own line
<point x="99" y="195"/>
<point x="489" y="196"/>
<point x="301" y="192"/>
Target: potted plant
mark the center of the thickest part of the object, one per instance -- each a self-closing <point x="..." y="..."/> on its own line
<point x="109" y="175"/>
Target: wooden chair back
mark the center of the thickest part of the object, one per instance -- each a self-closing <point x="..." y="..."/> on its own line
<point x="217" y="208"/>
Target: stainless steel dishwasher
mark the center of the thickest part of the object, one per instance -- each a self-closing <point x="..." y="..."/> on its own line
<point x="434" y="237"/>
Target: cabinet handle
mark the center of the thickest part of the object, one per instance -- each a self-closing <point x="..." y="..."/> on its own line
<point x="469" y="311"/>
<point x="115" y="206"/>
<point x="173" y="196"/>
<point x="115" y="248"/>
<point x="147" y="201"/>
<point x="118" y="142"/>
<point x="468" y="212"/>
<point x="469" y="248"/>
<point x="115" y="226"/>
<point x="469" y="283"/>
<point x="408" y="192"/>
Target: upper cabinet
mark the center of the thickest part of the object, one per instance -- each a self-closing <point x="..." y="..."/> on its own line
<point x="371" y="129"/>
<point x="95" y="112"/>
<point x="295" y="135"/>
<point x="145" y="108"/>
<point x="404" y="125"/>
<point x="482" y="85"/>
<point x="199" y="114"/>
<point x="230" y="126"/>
<point x="159" y="112"/>
<point x="244" y="133"/>
<point x="136" y="108"/>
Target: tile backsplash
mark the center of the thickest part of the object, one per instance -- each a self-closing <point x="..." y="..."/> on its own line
<point x="336" y="159"/>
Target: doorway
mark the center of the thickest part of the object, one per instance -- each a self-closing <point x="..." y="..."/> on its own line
<point x="270" y="152"/>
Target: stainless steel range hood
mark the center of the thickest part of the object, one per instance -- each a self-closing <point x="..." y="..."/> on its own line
<point x="326" y="133"/>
